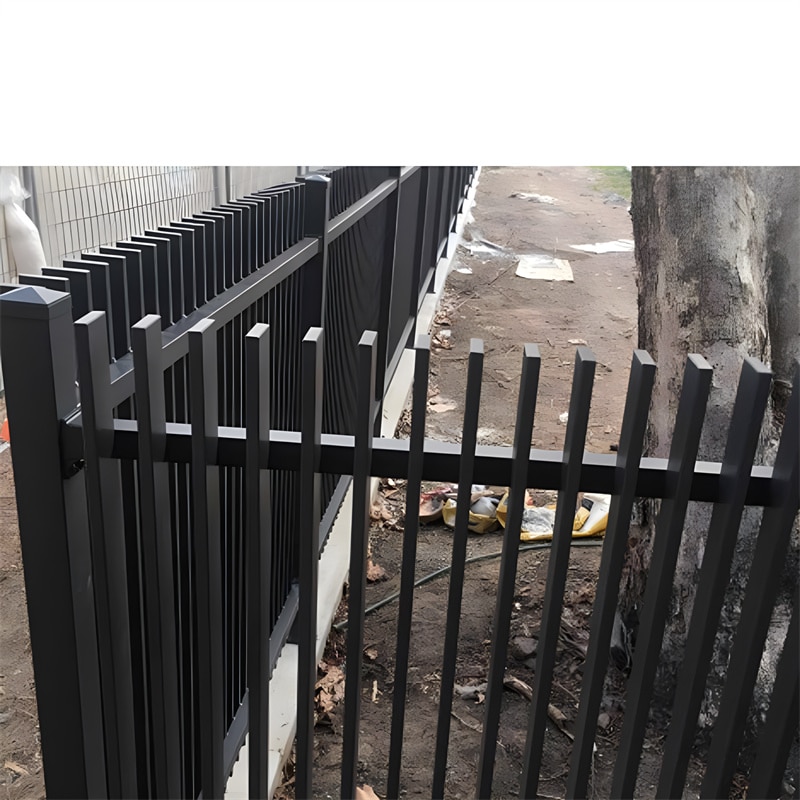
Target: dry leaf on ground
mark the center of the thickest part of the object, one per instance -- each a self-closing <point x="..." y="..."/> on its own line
<point x="375" y="572"/>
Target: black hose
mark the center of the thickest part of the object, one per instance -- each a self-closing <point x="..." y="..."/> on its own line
<point x="340" y="626"/>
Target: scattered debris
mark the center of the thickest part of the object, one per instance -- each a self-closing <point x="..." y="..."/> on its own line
<point x="536" y="198"/>
<point x="562" y="418"/>
<point x="464" y="270"/>
<point x="14" y="767"/>
<point x="441" y="339"/>
<point x="476" y="693"/>
<point x="366" y="792"/>
<point x="544" y="268"/>
<point x="375" y="691"/>
<point x="474" y="726"/>
<point x="439" y="404"/>
<point x="523" y="647"/>
<point x="370" y="653"/>
<point x="617" y="246"/>
<point x="328" y="691"/>
<point x="483" y="247"/>
<point x="556" y="715"/>
<point x="577" y="341"/>
<point x="375" y="572"/>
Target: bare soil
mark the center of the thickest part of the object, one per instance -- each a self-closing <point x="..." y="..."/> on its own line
<point x="20" y="752"/>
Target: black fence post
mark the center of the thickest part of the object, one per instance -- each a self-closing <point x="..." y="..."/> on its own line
<point x="385" y="311"/>
<point x="36" y="338"/>
<point x="315" y="223"/>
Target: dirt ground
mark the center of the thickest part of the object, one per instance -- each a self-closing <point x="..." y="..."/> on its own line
<point x="20" y="754"/>
<point x="573" y="206"/>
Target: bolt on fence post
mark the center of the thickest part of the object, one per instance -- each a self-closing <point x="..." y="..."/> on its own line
<point x="385" y="308"/>
<point x="314" y="273"/>
<point x="36" y="340"/>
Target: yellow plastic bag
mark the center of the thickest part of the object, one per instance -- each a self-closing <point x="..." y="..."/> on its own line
<point x="537" y="522"/>
<point x="478" y="523"/>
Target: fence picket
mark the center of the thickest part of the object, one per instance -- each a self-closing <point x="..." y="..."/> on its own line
<point x="549" y="631"/>
<point x="258" y="514"/>
<point x="469" y="439"/>
<point x="634" y="420"/>
<point x="158" y="558"/>
<point x="359" y="541"/>
<point x="104" y="504"/>
<point x="410" y="532"/>
<point x="207" y="548"/>
<point x="523" y="431"/>
<point x="669" y="526"/>
<point x="308" y="557"/>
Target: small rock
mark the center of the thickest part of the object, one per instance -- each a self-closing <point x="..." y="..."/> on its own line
<point x="523" y="647"/>
<point x="603" y="720"/>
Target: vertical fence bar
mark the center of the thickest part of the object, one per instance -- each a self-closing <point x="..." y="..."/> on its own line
<point x="469" y="439"/>
<point x="109" y="570"/>
<point x="385" y="308"/>
<point x="748" y="411"/>
<point x="39" y="373"/>
<point x="669" y="526"/>
<point x="775" y="740"/>
<point x="158" y="560"/>
<point x="523" y="431"/>
<point x="634" y="420"/>
<point x="411" y="530"/>
<point x="311" y="431"/>
<point x="80" y="288"/>
<point x="359" y="539"/>
<point x="207" y="551"/>
<point x="419" y="246"/>
<point x="762" y="588"/>
<point x="258" y="519"/>
<point x="549" y="632"/>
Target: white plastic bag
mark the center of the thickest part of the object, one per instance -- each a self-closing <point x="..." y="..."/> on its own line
<point x="24" y="242"/>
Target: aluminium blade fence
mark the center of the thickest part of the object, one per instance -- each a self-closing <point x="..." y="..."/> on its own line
<point x="291" y="256"/>
<point x="173" y="504"/>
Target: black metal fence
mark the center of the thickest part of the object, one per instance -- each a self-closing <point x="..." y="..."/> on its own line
<point x="138" y="591"/>
<point x="146" y="534"/>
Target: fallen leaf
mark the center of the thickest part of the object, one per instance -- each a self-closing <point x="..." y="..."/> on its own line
<point x="375" y="572"/>
<point x="14" y="767"/>
<point x="371" y="653"/>
<point x="365" y="792"/>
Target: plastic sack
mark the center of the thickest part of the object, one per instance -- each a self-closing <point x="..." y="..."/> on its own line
<point x="478" y="523"/>
<point x="538" y="521"/>
<point x="24" y="241"/>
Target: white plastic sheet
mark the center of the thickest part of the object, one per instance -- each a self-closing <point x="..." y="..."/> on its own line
<point x="617" y="246"/>
<point x="24" y="241"/>
<point x="544" y="268"/>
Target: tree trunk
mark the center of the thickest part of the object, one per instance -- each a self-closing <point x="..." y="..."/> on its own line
<point x="718" y="257"/>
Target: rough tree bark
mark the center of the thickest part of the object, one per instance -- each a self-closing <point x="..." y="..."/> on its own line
<point x="719" y="274"/>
